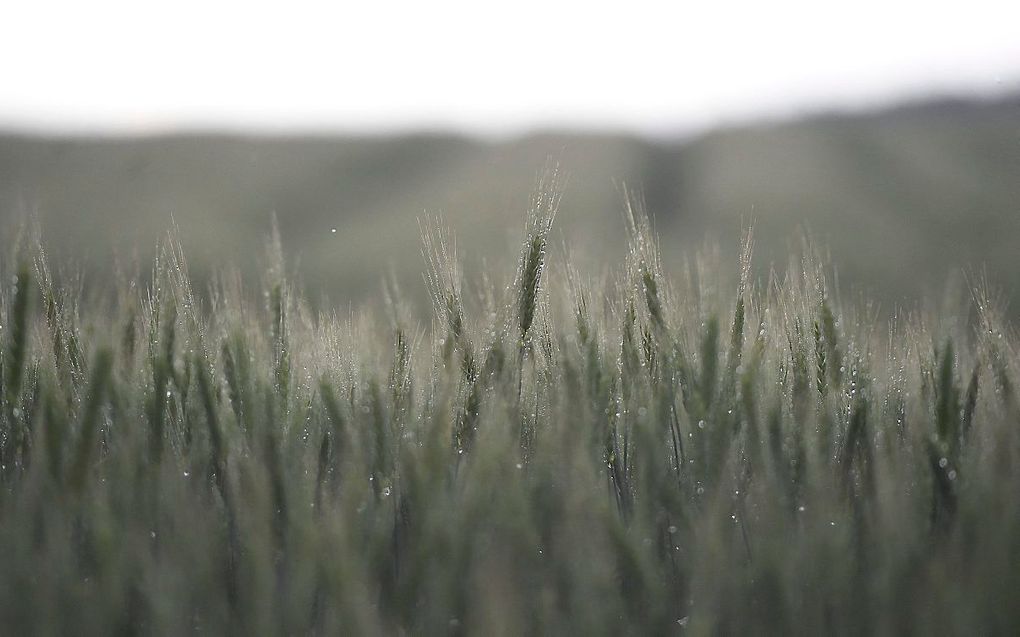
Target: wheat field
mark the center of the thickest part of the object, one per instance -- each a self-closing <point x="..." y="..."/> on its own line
<point x="552" y="451"/>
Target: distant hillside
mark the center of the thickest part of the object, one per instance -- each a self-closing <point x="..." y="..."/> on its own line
<point x="902" y="198"/>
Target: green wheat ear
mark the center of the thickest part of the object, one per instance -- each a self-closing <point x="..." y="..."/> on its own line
<point x="545" y="203"/>
<point x="162" y="374"/>
<point x="820" y="361"/>
<point x="531" y="272"/>
<point x="443" y="278"/>
<point x="969" y="404"/>
<point x="17" y="343"/>
<point x="831" y="338"/>
<point x="737" y="336"/>
<point x="709" y="361"/>
<point x="947" y="407"/>
<point x="652" y="301"/>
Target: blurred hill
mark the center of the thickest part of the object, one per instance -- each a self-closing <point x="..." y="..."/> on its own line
<point x="902" y="198"/>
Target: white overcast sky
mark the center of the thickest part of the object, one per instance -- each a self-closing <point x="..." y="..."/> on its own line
<point x="494" y="68"/>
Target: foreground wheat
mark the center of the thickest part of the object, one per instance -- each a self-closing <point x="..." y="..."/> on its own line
<point x="568" y="455"/>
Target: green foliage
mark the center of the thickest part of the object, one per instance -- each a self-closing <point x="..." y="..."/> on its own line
<point x="260" y="470"/>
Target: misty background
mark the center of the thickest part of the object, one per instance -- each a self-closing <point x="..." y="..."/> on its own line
<point x="890" y="132"/>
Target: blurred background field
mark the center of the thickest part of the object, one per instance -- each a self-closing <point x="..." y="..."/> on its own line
<point x="903" y="199"/>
